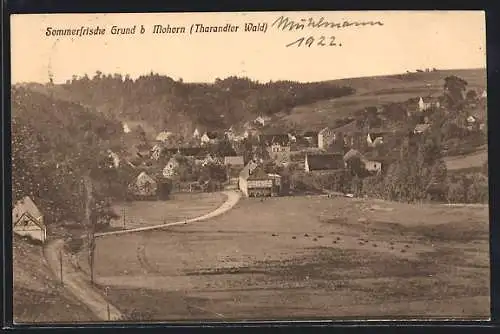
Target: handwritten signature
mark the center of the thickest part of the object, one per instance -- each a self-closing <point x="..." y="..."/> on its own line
<point x="285" y="23"/>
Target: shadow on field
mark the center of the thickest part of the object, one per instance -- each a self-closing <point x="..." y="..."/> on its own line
<point x="454" y="231"/>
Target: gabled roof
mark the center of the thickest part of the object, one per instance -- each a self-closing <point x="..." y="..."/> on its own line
<point x="428" y="99"/>
<point x="471" y="119"/>
<point x="29" y="219"/>
<point x="144" y="176"/>
<point x="163" y="135"/>
<point x="421" y="127"/>
<point x="310" y="134"/>
<point x="252" y="171"/>
<point x="352" y="153"/>
<point x="25" y="205"/>
<point x="212" y="134"/>
<point x="269" y="139"/>
<point x="327" y="129"/>
<point x="328" y="161"/>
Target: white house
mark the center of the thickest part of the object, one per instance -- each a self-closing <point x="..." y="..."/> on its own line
<point x="156" y="152"/>
<point x="196" y="133"/>
<point x="28" y="221"/>
<point x="325" y="138"/>
<point x="144" y="185"/>
<point x="378" y="140"/>
<point x="373" y="166"/>
<point x="484" y="95"/>
<point x="115" y="157"/>
<point x="170" y="168"/>
<point x="209" y="138"/>
<point x="426" y="103"/>
<point x="163" y="136"/>
<point x="261" y="120"/>
<point x="126" y="129"/>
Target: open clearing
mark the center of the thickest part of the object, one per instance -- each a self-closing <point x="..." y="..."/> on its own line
<point x="303" y="257"/>
<point x="376" y="91"/>
<point x="179" y="207"/>
<point x="38" y="295"/>
<point x="476" y="159"/>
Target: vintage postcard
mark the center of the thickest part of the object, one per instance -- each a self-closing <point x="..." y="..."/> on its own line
<point x="252" y="166"/>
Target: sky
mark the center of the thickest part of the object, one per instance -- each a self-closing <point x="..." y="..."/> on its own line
<point x="406" y="41"/>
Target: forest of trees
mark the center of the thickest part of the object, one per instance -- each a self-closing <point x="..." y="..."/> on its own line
<point x="174" y="105"/>
<point x="55" y="143"/>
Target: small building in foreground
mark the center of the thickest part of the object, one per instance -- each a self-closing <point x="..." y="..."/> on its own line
<point x="27" y="220"/>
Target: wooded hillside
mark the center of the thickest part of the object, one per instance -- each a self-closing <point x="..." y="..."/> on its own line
<point x="54" y="143"/>
<point x="172" y="105"/>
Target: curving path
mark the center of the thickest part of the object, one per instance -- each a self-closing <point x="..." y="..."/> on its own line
<point x="77" y="283"/>
<point x="232" y="199"/>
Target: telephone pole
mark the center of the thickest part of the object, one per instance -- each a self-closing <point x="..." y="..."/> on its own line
<point x="90" y="216"/>
<point x="61" y="266"/>
<point x="123" y="214"/>
<point x="106" y="291"/>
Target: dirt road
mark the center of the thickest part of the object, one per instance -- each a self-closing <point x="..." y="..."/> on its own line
<point x="77" y="284"/>
<point x="232" y="198"/>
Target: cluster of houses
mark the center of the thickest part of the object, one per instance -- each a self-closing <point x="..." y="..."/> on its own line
<point x="324" y="150"/>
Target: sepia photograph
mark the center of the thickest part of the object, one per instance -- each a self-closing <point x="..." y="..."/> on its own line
<point x="249" y="166"/>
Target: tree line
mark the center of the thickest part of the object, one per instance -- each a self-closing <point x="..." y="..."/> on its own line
<point x="174" y="105"/>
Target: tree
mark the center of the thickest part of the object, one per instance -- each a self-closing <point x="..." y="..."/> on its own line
<point x="454" y="89"/>
<point x="223" y="148"/>
<point x="471" y="95"/>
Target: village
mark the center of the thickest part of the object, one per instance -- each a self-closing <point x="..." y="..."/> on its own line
<point x="162" y="207"/>
<point x="258" y="161"/>
<point x="177" y="170"/>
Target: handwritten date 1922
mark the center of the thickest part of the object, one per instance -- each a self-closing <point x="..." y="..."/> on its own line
<point x="312" y="41"/>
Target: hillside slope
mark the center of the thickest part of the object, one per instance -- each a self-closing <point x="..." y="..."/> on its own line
<point x="38" y="294"/>
<point x="376" y="91"/>
<point x="54" y="143"/>
<point x="165" y="104"/>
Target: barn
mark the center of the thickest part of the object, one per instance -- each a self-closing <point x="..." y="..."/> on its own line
<point x="254" y="182"/>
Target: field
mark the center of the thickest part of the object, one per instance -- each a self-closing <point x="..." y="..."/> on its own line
<point x="476" y="159"/>
<point x="179" y="207"/>
<point x="38" y="295"/>
<point x="307" y="257"/>
<point x="376" y="91"/>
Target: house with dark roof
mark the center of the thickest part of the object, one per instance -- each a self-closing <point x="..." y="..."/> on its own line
<point x="324" y="162"/>
<point x="255" y="182"/>
<point x="27" y="220"/>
